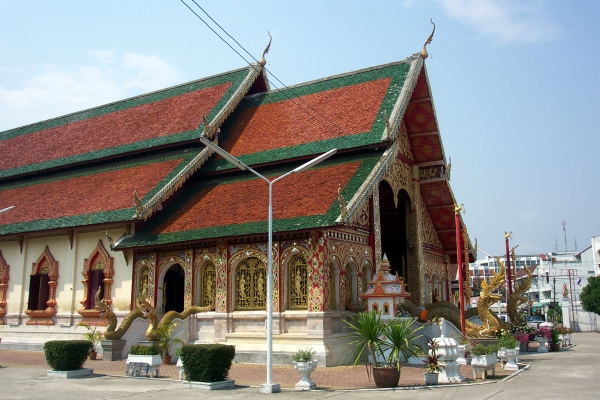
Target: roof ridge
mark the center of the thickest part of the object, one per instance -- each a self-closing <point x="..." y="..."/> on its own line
<point x="407" y="60"/>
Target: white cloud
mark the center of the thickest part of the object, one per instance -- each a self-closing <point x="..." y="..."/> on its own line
<point x="106" y="56"/>
<point x="150" y="72"/>
<point x="62" y="90"/>
<point x="504" y="21"/>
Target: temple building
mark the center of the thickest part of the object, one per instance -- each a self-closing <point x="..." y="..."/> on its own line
<point x="122" y="201"/>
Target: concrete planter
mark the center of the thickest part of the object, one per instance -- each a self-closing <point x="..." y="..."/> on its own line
<point x="78" y="373"/>
<point x="511" y="360"/>
<point x="152" y="361"/>
<point x="305" y="369"/>
<point x="431" y="378"/>
<point x="542" y="342"/>
<point x="209" y="385"/>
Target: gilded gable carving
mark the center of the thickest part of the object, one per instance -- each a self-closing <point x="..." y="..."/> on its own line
<point x="428" y="231"/>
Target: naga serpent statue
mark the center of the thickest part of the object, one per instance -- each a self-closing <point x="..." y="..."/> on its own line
<point x="168" y="318"/>
<point x="106" y="312"/>
<point x="450" y="312"/>
<point x="517" y="298"/>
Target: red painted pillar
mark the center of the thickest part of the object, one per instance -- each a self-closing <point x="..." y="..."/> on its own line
<point x="508" y="269"/>
<point x="461" y="280"/>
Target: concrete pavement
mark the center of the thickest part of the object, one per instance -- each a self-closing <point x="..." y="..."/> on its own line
<point x="569" y="373"/>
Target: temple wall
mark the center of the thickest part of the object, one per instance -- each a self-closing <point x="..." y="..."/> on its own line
<point x="69" y="288"/>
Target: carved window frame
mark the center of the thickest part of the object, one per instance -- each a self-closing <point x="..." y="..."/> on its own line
<point x="207" y="269"/>
<point x="297" y="263"/>
<point x="45" y="262"/>
<point x="259" y="265"/>
<point x="4" y="277"/>
<point x="99" y="257"/>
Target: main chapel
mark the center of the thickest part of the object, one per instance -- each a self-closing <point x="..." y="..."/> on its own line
<point x="122" y="202"/>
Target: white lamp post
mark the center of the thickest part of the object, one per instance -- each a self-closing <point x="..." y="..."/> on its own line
<point x="6" y="209"/>
<point x="268" y="387"/>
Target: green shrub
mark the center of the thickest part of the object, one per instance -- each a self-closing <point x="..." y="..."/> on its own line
<point x="67" y="355"/>
<point x="482" y="350"/>
<point x="144" y="350"/>
<point x="207" y="362"/>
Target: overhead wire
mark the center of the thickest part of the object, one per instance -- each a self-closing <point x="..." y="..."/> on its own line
<point x="293" y="99"/>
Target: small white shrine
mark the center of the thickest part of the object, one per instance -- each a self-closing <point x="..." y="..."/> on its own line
<point x="385" y="291"/>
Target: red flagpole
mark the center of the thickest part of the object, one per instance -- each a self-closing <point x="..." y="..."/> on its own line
<point x="508" y="270"/>
<point x="461" y="280"/>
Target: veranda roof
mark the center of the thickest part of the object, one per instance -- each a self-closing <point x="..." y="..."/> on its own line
<point x="93" y="195"/>
<point x="237" y="204"/>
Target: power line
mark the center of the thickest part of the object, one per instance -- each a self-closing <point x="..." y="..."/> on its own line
<point x="272" y="74"/>
<point x="294" y="100"/>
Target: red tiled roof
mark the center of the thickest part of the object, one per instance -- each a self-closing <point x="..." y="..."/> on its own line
<point x="93" y="193"/>
<point x="247" y="201"/>
<point x="160" y="118"/>
<point x="349" y="110"/>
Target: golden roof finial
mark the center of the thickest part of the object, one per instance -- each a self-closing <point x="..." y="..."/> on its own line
<point x="424" y="53"/>
<point x="458" y="209"/>
<point x="263" y="60"/>
<point x="206" y="124"/>
<point x="138" y="204"/>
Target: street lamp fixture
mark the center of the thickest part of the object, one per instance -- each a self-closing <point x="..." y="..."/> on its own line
<point x="269" y="386"/>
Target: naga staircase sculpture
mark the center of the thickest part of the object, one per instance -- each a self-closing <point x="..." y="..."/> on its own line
<point x="111" y="332"/>
<point x="168" y="318"/>
<point x="491" y="323"/>
<point x="518" y="298"/>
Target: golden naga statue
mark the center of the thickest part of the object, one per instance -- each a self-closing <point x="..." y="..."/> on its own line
<point x="491" y="323"/>
<point x="106" y="312"/>
<point x="142" y="304"/>
<point x="518" y="298"/>
<point x="168" y="318"/>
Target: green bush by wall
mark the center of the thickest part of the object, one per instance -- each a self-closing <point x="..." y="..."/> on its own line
<point x="207" y="362"/>
<point x="67" y="355"/>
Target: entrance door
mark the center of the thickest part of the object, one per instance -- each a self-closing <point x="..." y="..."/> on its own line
<point x="173" y="294"/>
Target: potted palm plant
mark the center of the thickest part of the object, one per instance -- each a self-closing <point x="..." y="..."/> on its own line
<point x="367" y="332"/>
<point x="94" y="336"/>
<point x="167" y="340"/>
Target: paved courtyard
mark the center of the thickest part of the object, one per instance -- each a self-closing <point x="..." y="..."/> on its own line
<point x="571" y="372"/>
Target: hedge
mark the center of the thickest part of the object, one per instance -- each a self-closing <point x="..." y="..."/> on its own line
<point x="67" y="355"/>
<point x="207" y="362"/>
<point x="144" y="350"/>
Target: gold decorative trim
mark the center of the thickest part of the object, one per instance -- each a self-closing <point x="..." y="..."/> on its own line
<point x="4" y="277"/>
<point x="423" y="52"/>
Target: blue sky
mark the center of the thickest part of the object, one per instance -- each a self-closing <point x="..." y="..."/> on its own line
<point x="516" y="84"/>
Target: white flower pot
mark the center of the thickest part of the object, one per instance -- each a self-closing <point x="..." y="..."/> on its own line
<point x="542" y="342"/>
<point x="179" y="366"/>
<point x="486" y="360"/>
<point x="305" y="369"/>
<point x="150" y="360"/>
<point x="462" y="350"/>
<point x="511" y="360"/>
<point x="502" y="355"/>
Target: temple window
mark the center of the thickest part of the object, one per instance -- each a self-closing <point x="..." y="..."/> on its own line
<point x="386" y="308"/>
<point x="39" y="290"/>
<point x="251" y="285"/>
<point x="298" y="283"/>
<point x="97" y="283"/>
<point x="208" y="279"/>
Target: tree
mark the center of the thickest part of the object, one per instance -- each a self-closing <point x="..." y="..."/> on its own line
<point x="590" y="296"/>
